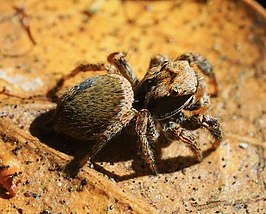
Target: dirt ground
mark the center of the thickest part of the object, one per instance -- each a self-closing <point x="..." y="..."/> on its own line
<point x="230" y="34"/>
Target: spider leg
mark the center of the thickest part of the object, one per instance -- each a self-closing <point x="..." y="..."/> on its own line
<point x="199" y="106"/>
<point x="81" y="68"/>
<point x="174" y="131"/>
<point x="206" y="121"/>
<point x="100" y="141"/>
<point x="147" y="135"/>
<point x="200" y="63"/>
<point x="201" y="101"/>
<point x="118" y="60"/>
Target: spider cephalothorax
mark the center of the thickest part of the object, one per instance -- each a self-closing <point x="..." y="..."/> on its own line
<point x="167" y="88"/>
<point x="100" y="107"/>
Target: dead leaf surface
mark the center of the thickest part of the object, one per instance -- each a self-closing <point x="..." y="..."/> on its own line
<point x="231" y="34"/>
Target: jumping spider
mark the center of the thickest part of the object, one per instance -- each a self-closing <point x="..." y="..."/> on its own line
<point x="100" y="107"/>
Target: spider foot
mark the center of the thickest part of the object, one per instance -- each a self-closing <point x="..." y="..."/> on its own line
<point x="213" y="126"/>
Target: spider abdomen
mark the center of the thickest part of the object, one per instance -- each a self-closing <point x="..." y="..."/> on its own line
<point x="89" y="108"/>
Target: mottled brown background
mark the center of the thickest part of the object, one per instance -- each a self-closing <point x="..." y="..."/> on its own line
<point x="231" y="34"/>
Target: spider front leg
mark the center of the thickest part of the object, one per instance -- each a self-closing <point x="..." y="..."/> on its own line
<point x="147" y="136"/>
<point x="201" y="101"/>
<point x="174" y="131"/>
<point x="203" y="65"/>
<point x="206" y="121"/>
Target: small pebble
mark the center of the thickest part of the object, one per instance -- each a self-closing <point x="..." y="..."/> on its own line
<point x="243" y="145"/>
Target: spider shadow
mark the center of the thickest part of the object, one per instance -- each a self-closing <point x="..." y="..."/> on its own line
<point x="41" y="128"/>
<point x="121" y="148"/>
<point x="127" y="150"/>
